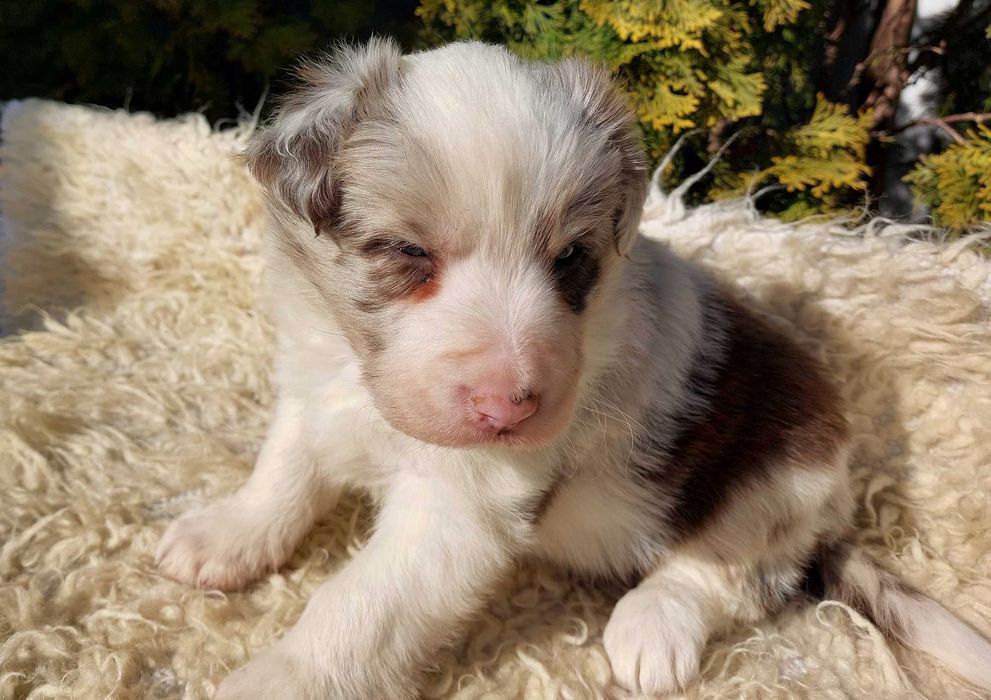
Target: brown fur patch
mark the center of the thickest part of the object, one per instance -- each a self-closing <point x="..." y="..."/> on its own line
<point x="303" y="181"/>
<point x="767" y="403"/>
<point x="297" y="167"/>
<point x="427" y="290"/>
<point x="780" y="531"/>
<point x="575" y="277"/>
<point x="393" y="275"/>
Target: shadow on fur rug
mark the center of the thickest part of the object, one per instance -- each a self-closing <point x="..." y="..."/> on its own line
<point x="135" y="382"/>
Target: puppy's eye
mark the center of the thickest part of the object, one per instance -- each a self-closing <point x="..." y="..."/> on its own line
<point x="414" y="251"/>
<point x="569" y="256"/>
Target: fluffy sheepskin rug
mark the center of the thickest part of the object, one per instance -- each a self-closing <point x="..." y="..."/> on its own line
<point x="134" y="382"/>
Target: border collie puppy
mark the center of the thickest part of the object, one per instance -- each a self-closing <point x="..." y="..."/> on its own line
<point x="471" y="328"/>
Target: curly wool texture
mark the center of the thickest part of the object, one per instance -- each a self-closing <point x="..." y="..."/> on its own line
<point x="136" y="383"/>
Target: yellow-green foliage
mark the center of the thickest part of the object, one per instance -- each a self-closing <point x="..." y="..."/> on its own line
<point x="679" y="23"/>
<point x="826" y="154"/>
<point x="694" y="64"/>
<point x="821" y="162"/>
<point x="956" y="183"/>
<point x="780" y="12"/>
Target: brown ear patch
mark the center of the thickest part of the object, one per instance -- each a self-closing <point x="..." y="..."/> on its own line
<point x="294" y="157"/>
<point x="261" y="158"/>
<point x="605" y="109"/>
<point x="297" y="173"/>
<point x="767" y="404"/>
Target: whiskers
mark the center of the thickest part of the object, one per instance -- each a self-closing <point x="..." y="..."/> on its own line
<point x="324" y="331"/>
<point x="609" y="415"/>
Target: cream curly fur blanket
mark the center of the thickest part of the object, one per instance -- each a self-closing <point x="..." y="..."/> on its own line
<point x="135" y="382"/>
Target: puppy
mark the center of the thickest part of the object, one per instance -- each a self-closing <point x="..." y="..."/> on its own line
<point x="471" y="328"/>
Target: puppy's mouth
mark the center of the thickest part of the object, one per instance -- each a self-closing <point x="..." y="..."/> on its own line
<point x="522" y="437"/>
<point x="510" y="437"/>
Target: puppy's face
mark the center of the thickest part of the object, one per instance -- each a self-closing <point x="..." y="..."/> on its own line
<point x="469" y="210"/>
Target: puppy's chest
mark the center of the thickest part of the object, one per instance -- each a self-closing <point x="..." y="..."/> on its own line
<point x="600" y="523"/>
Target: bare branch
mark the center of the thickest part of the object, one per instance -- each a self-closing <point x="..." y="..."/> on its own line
<point x="942" y="122"/>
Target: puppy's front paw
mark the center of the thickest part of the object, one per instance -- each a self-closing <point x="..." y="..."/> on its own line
<point x="223" y="545"/>
<point x="654" y="641"/>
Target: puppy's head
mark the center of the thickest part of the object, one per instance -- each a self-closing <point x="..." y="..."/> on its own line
<point x="461" y="214"/>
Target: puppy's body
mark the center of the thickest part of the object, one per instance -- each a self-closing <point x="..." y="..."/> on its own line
<point x="524" y="375"/>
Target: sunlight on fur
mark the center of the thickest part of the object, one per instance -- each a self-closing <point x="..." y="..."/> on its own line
<point x="154" y="395"/>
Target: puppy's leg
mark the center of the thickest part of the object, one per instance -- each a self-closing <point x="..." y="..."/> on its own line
<point x="741" y="567"/>
<point x="438" y="547"/>
<point x="657" y="632"/>
<point x="234" y="540"/>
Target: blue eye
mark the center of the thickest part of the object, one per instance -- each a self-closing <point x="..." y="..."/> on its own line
<point x="414" y="251"/>
<point x="567" y="252"/>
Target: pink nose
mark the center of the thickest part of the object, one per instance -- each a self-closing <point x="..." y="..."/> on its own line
<point x="498" y="409"/>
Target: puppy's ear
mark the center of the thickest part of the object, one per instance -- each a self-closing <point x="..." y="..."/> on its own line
<point x="604" y="107"/>
<point x="294" y="157"/>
